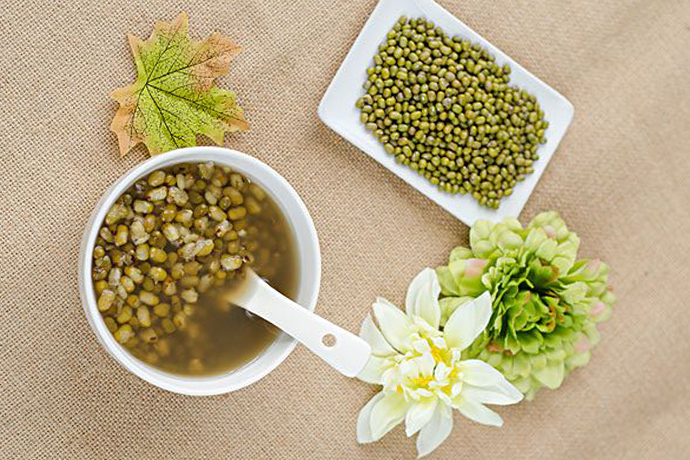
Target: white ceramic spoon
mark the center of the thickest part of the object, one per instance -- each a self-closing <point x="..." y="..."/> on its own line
<point x="343" y="350"/>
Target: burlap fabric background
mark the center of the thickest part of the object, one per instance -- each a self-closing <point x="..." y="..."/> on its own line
<point x="620" y="178"/>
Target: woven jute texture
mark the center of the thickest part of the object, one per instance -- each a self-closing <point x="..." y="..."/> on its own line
<point x="620" y="178"/>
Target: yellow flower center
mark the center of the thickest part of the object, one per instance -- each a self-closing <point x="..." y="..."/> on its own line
<point x="422" y="381"/>
<point x="454" y="372"/>
<point x="437" y="353"/>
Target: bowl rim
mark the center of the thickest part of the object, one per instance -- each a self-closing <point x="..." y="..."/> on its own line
<point x="297" y="215"/>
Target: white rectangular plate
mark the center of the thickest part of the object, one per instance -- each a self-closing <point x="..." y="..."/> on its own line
<point x="337" y="108"/>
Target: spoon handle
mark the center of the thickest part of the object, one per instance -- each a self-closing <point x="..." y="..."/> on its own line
<point x="341" y="349"/>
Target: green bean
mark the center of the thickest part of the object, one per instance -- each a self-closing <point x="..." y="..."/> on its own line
<point x="162" y="310"/>
<point x="157" y="194"/>
<point x="180" y="232"/>
<point x="217" y="214"/>
<point x="210" y="198"/>
<point x="144" y="316"/>
<point x="142" y="252"/>
<point x="125" y="315"/>
<point x="156" y="178"/>
<point x="230" y="262"/>
<point x="149" y="335"/>
<point x="138" y="233"/>
<point x="127" y="283"/>
<point x="148" y="298"/>
<point x="106" y="299"/>
<point x="158" y="274"/>
<point x="124" y="333"/>
<point x="440" y="104"/>
<point x="189" y="295"/>
<point x="110" y="324"/>
<point x="168" y="325"/>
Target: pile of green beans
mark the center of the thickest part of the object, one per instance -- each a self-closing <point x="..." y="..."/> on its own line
<point x="445" y="108"/>
<point x="168" y="239"/>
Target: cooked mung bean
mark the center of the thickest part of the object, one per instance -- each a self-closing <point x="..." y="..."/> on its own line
<point x="166" y="252"/>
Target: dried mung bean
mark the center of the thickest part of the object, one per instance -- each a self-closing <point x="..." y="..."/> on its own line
<point x="453" y="115"/>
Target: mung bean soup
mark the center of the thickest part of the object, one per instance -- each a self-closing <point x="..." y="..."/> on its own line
<point x="167" y="250"/>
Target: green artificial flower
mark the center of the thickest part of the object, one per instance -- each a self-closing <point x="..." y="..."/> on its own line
<point x="545" y="302"/>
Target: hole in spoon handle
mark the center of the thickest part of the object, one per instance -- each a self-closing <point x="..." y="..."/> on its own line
<point x="329" y="340"/>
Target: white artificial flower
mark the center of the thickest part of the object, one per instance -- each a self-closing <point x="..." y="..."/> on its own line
<point x="421" y="370"/>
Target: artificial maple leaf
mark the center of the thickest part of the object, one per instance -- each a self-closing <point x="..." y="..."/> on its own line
<point x="174" y="97"/>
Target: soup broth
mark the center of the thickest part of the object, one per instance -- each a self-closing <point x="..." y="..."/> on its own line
<point x="167" y="250"/>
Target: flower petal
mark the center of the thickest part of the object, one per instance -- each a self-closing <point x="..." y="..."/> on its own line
<point x="478" y="412"/>
<point x="386" y="414"/>
<point x="456" y="389"/>
<point x="501" y="394"/>
<point x="426" y="364"/>
<point x="442" y="396"/>
<point x="468" y="321"/>
<point x="479" y="373"/>
<point x="551" y="375"/>
<point x="373" y="370"/>
<point x="393" y="323"/>
<point x="363" y="426"/>
<point x="422" y="297"/>
<point x="421" y="346"/>
<point x="439" y="342"/>
<point x="419" y="415"/>
<point x="442" y="371"/>
<point x="409" y="368"/>
<point x="415" y="394"/>
<point x="436" y="431"/>
<point x="371" y="334"/>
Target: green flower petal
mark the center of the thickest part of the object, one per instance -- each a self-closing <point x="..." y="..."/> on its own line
<point x="449" y="305"/>
<point x="552" y="375"/>
<point x="545" y="302"/>
<point x="479" y="238"/>
<point x="460" y="253"/>
<point x="447" y="281"/>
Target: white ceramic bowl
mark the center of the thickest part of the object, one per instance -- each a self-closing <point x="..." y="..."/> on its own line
<point x="309" y="266"/>
<point x="337" y="108"/>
